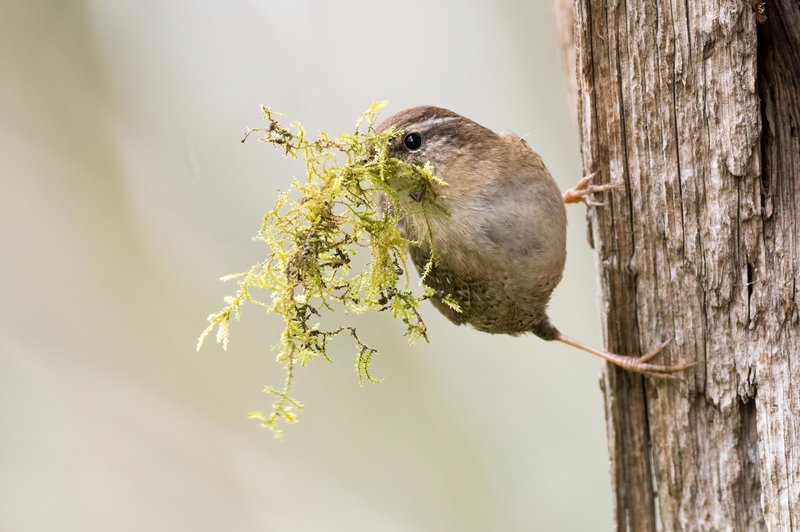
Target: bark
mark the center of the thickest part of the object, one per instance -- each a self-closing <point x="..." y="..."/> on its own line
<point x="695" y="105"/>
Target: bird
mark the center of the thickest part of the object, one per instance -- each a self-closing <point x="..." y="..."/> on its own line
<point x="499" y="251"/>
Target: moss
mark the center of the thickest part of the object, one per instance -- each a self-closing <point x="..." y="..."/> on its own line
<point x="314" y="231"/>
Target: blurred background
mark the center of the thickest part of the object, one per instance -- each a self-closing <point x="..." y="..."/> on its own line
<point x="125" y="195"/>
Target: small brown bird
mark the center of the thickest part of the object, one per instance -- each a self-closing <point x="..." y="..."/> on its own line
<point x="501" y="251"/>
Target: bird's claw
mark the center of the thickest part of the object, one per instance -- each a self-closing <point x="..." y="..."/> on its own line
<point x="641" y="364"/>
<point x="584" y="189"/>
<point x="635" y="364"/>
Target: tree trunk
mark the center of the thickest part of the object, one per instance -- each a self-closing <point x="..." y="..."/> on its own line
<point x="695" y="105"/>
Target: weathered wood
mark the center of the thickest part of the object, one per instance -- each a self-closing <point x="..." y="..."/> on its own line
<point x="696" y="106"/>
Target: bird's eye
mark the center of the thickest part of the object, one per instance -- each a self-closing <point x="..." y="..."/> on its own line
<point x="413" y="141"/>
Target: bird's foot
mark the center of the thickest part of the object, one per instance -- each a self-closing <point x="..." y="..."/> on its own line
<point x="584" y="190"/>
<point x="642" y="364"/>
<point x="636" y="364"/>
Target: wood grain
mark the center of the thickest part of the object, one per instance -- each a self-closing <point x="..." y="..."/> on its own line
<point x="696" y="107"/>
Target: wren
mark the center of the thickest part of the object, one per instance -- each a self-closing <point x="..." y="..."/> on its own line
<point x="501" y="248"/>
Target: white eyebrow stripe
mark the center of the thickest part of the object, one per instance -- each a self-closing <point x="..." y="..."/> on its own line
<point x="431" y="122"/>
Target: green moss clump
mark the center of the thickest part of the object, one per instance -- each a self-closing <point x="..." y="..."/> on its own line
<point x="314" y="231"/>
